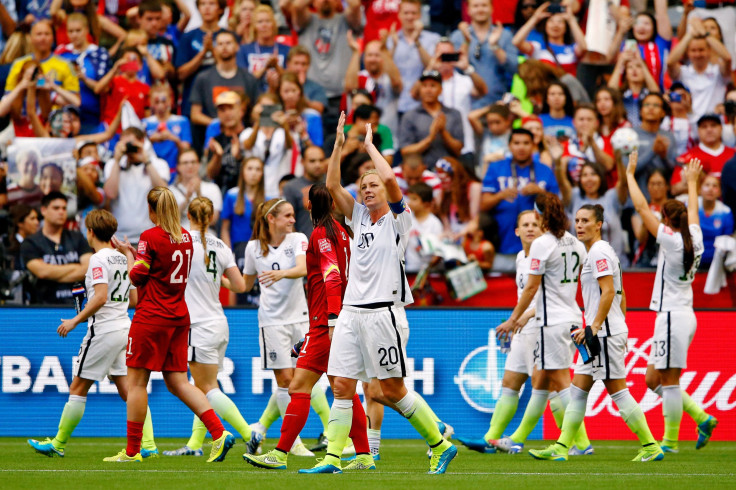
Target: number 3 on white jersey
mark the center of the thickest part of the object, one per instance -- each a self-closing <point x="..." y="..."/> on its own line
<point x="178" y="257"/>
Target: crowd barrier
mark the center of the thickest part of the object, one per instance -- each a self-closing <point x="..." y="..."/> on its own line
<point x="456" y="364"/>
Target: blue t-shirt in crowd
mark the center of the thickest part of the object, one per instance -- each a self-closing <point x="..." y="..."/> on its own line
<point x="499" y="177"/>
<point x="719" y="222"/>
<point x="253" y="56"/>
<point x="168" y="150"/>
<point x="95" y="61"/>
<point x="190" y="44"/>
<point x="240" y="230"/>
<point x="558" y="127"/>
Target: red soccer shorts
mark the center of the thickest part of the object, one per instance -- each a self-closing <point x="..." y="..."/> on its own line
<point x="157" y="348"/>
<point x="315" y="352"/>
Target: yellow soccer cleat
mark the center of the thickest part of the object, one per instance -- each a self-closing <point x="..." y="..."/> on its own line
<point x="220" y="447"/>
<point x="122" y="457"/>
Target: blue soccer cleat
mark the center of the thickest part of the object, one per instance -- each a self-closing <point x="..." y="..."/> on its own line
<point x="149" y="453"/>
<point x="705" y="430"/>
<point x="507" y="445"/>
<point x="477" y="444"/>
<point x="252" y="445"/>
<point x="329" y="465"/>
<point x="376" y="457"/>
<point x="46" y="448"/>
<point x="588" y="451"/>
<point x="440" y="461"/>
<point x="669" y="446"/>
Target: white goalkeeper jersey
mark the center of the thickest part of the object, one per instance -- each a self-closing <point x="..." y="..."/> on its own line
<point x="673" y="290"/>
<point x="522" y="274"/>
<point x="108" y="266"/>
<point x="283" y="302"/>
<point x="203" y="287"/>
<point x="602" y="261"/>
<point x="558" y="261"/>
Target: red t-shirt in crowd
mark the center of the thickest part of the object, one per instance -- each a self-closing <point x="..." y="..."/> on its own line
<point x="712" y="161"/>
<point x="379" y="15"/>
<point x="160" y="273"/>
<point x="327" y="274"/>
<point x="120" y="87"/>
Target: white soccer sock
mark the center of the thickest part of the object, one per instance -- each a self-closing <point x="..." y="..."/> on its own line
<point x="282" y="400"/>
<point x="658" y="390"/>
<point x="374" y="440"/>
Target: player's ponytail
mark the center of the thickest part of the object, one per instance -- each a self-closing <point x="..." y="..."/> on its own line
<point x="321" y="212"/>
<point x="554" y="217"/>
<point x="200" y="213"/>
<point x="163" y="203"/>
<point x="675" y="213"/>
<point x="261" y="231"/>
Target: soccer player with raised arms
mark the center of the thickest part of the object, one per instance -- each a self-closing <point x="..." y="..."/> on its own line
<point x="680" y="241"/>
<point x="213" y="263"/>
<point x="554" y="265"/>
<point x="102" y="352"/>
<point x="604" y="299"/>
<point x="158" y="335"/>
<point x="367" y="342"/>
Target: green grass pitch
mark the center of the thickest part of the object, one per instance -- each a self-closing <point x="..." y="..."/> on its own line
<point x="403" y="466"/>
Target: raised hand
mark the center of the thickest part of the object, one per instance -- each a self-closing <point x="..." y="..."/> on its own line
<point x="368" y="135"/>
<point x="692" y="170"/>
<point x="340" y="132"/>
<point x="631" y="167"/>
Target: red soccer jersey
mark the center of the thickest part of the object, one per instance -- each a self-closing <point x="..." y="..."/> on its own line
<point x="136" y="92"/>
<point x="327" y="274"/>
<point x="160" y="273"/>
<point x="712" y="162"/>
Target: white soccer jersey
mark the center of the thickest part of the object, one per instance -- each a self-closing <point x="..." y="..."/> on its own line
<point x="376" y="259"/>
<point x="108" y="266"/>
<point x="522" y="274"/>
<point x="602" y="261"/>
<point x="558" y="262"/>
<point x="203" y="288"/>
<point x="673" y="284"/>
<point x="284" y="302"/>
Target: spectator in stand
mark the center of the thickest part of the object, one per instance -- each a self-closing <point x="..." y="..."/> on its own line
<point x="188" y="186"/>
<point x="56" y="257"/>
<point x="355" y="134"/>
<point x="150" y="14"/>
<point x="241" y="22"/>
<point x="411" y="48"/>
<point x="240" y="204"/>
<point x="728" y="110"/>
<point x="707" y="81"/>
<point x="716" y="218"/>
<point x="169" y="133"/>
<point x="647" y="247"/>
<point x="225" y="76"/>
<point x="323" y="33"/>
<point x="652" y="33"/>
<point x="170" y="30"/>
<point x="129" y="175"/>
<point x="587" y="145"/>
<point x="557" y="111"/>
<point x="296" y="190"/>
<point x="680" y="122"/>
<point x="297" y="62"/>
<point x="490" y="51"/>
<point x="657" y="149"/>
<point x="264" y="57"/>
<point x="432" y="129"/>
<point x="121" y="83"/>
<point x="380" y="16"/>
<point x="14" y="102"/>
<point x="60" y="10"/>
<point x="728" y="183"/>
<point x="460" y="202"/>
<point x="423" y="222"/>
<point x="25" y="222"/>
<point x="304" y="122"/>
<point x="509" y="187"/>
<point x="444" y="15"/>
<point x="195" y="51"/>
<point x="631" y="75"/>
<point x="710" y="150"/>
<point x="609" y="107"/>
<point x="223" y="153"/>
<point x="494" y="134"/>
<point x="8" y="21"/>
<point x="17" y="46"/>
<point x="534" y="125"/>
<point x="562" y="43"/>
<point x="477" y="248"/>
<point x="91" y="63"/>
<point x="724" y="11"/>
<point x="380" y="77"/>
<point x="413" y="171"/>
<point x="90" y="194"/>
<point x="150" y="69"/>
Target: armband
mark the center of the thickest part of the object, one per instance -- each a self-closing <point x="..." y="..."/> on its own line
<point x="397" y="207"/>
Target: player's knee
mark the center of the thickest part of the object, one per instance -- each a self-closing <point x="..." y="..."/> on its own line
<point x="652" y="380"/>
<point x="373" y="392"/>
<point x="343" y="388"/>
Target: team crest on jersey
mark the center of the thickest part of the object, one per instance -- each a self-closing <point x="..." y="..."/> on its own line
<point x="324" y="245"/>
<point x="380" y="221"/>
<point x="141" y="247"/>
<point x="602" y="265"/>
<point x="535" y="265"/>
<point x="97" y="273"/>
<point x="289" y="252"/>
<point x="272" y="355"/>
<point x="668" y="230"/>
<point x="305" y="245"/>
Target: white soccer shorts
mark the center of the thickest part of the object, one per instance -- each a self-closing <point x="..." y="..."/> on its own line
<point x="102" y="355"/>
<point x="522" y="355"/>
<point x="276" y="343"/>
<point x="367" y="343"/>
<point x="673" y="333"/>
<point x="611" y="363"/>
<point x="555" y="347"/>
<point x="208" y="342"/>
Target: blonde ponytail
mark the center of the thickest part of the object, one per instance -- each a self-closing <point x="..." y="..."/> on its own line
<point x="261" y="230"/>
<point x="200" y="212"/>
<point x="163" y="203"/>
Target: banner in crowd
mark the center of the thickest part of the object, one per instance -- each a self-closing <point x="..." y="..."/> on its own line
<point x="456" y="366"/>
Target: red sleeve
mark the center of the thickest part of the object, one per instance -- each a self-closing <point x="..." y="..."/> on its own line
<point x="142" y="265"/>
<point x="330" y="274"/>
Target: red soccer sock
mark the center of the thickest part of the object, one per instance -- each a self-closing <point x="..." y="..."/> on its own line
<point x="213" y="424"/>
<point x="294" y="420"/>
<point x="359" y="429"/>
<point x="135" y="433"/>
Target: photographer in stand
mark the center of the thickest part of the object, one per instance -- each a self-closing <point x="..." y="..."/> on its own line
<point x="129" y="175"/>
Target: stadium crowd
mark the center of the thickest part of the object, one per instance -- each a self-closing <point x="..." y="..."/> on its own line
<point x="479" y="105"/>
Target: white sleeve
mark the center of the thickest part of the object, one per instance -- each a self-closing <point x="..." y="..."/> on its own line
<point x="162" y="168"/>
<point x="601" y="262"/>
<point x="100" y="274"/>
<point x="301" y="243"/>
<point x="403" y="220"/>
<point x="538" y="255"/>
<point x="226" y="258"/>
<point x="666" y="238"/>
<point x="250" y="258"/>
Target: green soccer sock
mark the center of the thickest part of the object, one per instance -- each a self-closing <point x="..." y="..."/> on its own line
<point x="70" y="417"/>
<point x="338" y="428"/>
<point x="226" y="409"/>
<point x="199" y="432"/>
<point x="672" y="411"/>
<point x="431" y="412"/>
<point x="270" y="413"/>
<point x="534" y="410"/>
<point x="420" y="417"/>
<point x="147" y="441"/>
<point x="320" y="405"/>
<point x="690" y="407"/>
<point x="633" y="415"/>
<point x="503" y="413"/>
<point x="573" y="416"/>
<point x="558" y="401"/>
